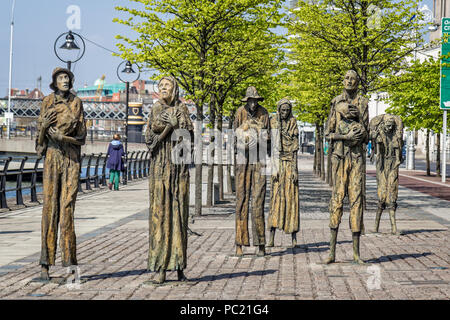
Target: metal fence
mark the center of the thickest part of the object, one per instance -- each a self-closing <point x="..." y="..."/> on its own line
<point x="93" y="173"/>
<point x="31" y="131"/>
<point x="93" y="110"/>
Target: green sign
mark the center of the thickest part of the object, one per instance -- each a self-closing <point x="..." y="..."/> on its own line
<point x="445" y="65"/>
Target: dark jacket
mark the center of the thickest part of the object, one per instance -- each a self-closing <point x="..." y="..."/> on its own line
<point x="115" y="154"/>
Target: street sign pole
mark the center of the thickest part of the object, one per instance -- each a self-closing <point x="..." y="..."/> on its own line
<point x="445" y="88"/>
<point x="444" y="156"/>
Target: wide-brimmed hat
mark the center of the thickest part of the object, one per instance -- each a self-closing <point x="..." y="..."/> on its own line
<point x="57" y="71"/>
<point x="252" y="93"/>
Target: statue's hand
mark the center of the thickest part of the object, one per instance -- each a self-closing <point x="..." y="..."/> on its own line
<point x="354" y="135"/>
<point x="48" y="119"/>
<point x="171" y="119"/>
<point x="275" y="176"/>
<point x="294" y="178"/>
<point x="55" y="134"/>
<point x="353" y="111"/>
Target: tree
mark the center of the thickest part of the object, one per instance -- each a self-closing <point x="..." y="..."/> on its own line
<point x="196" y="41"/>
<point x="372" y="36"/>
<point x="416" y="99"/>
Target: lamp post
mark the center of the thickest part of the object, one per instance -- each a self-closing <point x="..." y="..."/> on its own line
<point x="127" y="71"/>
<point x="70" y="45"/>
<point x="9" y="115"/>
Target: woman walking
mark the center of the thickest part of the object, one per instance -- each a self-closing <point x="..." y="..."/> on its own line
<point x="115" y="164"/>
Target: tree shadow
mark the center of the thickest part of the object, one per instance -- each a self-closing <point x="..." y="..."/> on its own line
<point x="233" y="275"/>
<point x="18" y="231"/>
<point x="120" y="274"/>
<point x="405" y="232"/>
<point x="401" y="256"/>
<point x="308" y="247"/>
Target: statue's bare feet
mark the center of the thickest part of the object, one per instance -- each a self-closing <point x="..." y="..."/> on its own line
<point x="162" y="277"/>
<point x="270" y="244"/>
<point x="239" y="252"/>
<point x="261" y="251"/>
<point x="44" y="272"/>
<point x="181" y="276"/>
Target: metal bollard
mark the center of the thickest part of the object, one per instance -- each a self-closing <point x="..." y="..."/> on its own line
<point x="88" y="173"/>
<point x="130" y="161"/>
<point x="34" y="181"/>
<point x="19" y="195"/>
<point x="3" y="203"/>
<point x="96" y="177"/>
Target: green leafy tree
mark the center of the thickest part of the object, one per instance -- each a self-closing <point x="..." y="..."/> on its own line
<point x="373" y="37"/>
<point x="200" y="43"/>
<point x="415" y="98"/>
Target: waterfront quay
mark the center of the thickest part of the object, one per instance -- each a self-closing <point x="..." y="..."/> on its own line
<point x="112" y="247"/>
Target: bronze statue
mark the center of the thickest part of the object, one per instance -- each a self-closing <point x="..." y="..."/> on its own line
<point x="284" y="200"/>
<point x="61" y="133"/>
<point x="168" y="184"/>
<point x="386" y="133"/>
<point x="251" y="124"/>
<point x="347" y="133"/>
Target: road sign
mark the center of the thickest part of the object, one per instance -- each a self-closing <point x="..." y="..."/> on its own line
<point x="445" y="65"/>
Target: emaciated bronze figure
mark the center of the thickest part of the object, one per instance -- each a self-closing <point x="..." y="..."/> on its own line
<point x="250" y="177"/>
<point x="61" y="133"/>
<point x="386" y="133"/>
<point x="168" y="184"/>
<point x="284" y="199"/>
<point x="346" y="132"/>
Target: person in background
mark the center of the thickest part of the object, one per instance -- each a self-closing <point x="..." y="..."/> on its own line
<point x="115" y="163"/>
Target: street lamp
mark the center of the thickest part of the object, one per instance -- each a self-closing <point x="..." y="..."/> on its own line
<point x="70" y="44"/>
<point x="129" y="73"/>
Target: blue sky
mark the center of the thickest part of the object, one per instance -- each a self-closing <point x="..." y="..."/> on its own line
<point x="39" y="23"/>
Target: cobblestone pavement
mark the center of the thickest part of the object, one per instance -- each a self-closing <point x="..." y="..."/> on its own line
<point x="113" y="257"/>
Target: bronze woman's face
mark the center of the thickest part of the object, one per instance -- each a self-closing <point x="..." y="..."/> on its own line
<point x="166" y="89"/>
<point x="285" y="111"/>
<point x="63" y="82"/>
<point x="350" y="81"/>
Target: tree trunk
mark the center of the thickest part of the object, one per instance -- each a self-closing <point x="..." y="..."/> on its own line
<point x="230" y="161"/>
<point x="427" y="148"/>
<point x="316" y="167"/>
<point x="438" y="154"/>
<point x="220" y="153"/>
<point x="198" y="161"/>
<point x="329" y="175"/>
<point x="322" y="154"/>
<point x="211" y="152"/>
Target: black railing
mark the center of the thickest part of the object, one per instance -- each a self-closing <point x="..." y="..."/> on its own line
<point x="93" y="134"/>
<point x="92" y="174"/>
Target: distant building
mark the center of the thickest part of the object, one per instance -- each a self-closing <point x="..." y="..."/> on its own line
<point x="26" y="94"/>
<point x="140" y="90"/>
<point x="441" y="8"/>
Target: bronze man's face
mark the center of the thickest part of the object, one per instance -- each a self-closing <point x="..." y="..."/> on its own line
<point x="350" y="81"/>
<point x="252" y="104"/>
<point x="389" y="126"/>
<point x="285" y="111"/>
<point x="63" y="82"/>
<point x="166" y="89"/>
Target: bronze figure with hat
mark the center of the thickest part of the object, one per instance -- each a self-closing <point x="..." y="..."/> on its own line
<point x="61" y="133"/>
<point x="251" y="122"/>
